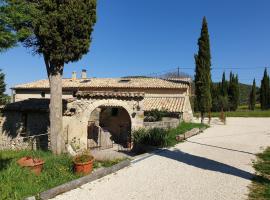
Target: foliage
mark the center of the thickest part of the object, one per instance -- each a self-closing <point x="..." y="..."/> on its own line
<point x="161" y="137"/>
<point x="156" y="115"/>
<point x="219" y="101"/>
<point x="265" y="91"/>
<point x="83" y="158"/>
<point x="203" y="71"/>
<point x="18" y="183"/>
<point x="260" y="187"/>
<point x="233" y="92"/>
<point x="59" y="30"/>
<point x="242" y="113"/>
<point x="11" y="17"/>
<point x="153" y="137"/>
<point x="252" y="96"/>
<point x="3" y="96"/>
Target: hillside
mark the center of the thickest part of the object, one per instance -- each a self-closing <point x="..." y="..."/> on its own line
<point x="244" y="92"/>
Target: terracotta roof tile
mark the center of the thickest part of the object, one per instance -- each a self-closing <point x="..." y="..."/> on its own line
<point x="171" y="104"/>
<point x="108" y="83"/>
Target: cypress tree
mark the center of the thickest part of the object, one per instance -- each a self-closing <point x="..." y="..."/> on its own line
<point x="203" y="72"/>
<point x="224" y="86"/>
<point x="264" y="91"/>
<point x="3" y="97"/>
<point x="252" y="96"/>
<point x="233" y="92"/>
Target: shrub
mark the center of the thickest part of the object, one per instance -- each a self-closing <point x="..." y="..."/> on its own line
<point x="153" y="137"/>
<point x="156" y="115"/>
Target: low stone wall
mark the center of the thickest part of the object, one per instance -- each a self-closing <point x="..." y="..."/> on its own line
<point x="7" y="143"/>
<point x="165" y="123"/>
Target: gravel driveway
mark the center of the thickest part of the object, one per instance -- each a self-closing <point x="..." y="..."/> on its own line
<point x="213" y="165"/>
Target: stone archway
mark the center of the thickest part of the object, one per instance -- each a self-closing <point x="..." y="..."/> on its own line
<point x="109" y="125"/>
<point x="76" y="125"/>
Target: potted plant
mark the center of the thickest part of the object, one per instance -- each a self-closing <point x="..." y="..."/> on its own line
<point x="34" y="164"/>
<point x="83" y="163"/>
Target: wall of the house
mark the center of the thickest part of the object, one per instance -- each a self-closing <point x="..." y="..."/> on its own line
<point x="18" y="126"/>
<point x="166" y="123"/>
<point x="22" y="94"/>
<point x="187" y="112"/>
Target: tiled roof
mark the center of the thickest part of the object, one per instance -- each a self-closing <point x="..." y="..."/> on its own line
<point x="108" y="83"/>
<point x="90" y="94"/>
<point x="170" y="104"/>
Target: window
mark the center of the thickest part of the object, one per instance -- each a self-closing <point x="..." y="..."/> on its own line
<point x="43" y="94"/>
<point x="124" y="80"/>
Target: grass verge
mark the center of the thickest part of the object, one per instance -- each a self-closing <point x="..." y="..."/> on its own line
<point x="18" y="183"/>
<point x="182" y="128"/>
<point x="260" y="187"/>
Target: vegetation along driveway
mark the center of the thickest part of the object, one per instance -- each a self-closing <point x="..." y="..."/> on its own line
<point x="213" y="165"/>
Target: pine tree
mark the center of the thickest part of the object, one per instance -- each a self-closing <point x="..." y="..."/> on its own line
<point x="203" y="72"/>
<point x="60" y="31"/>
<point x="252" y="96"/>
<point x="264" y="91"/>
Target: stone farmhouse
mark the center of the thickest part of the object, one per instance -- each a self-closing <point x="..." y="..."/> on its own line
<point x="97" y="112"/>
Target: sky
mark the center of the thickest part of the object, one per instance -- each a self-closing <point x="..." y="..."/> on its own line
<point x="142" y="37"/>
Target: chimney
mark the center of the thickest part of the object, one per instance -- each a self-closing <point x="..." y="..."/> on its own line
<point x="74" y="76"/>
<point x="84" y="75"/>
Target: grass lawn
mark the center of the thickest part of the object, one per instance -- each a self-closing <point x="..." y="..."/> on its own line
<point x="18" y="183"/>
<point x="182" y="128"/>
<point x="242" y="111"/>
<point x="245" y="113"/>
<point x="260" y="187"/>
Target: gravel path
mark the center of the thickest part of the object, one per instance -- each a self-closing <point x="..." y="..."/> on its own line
<point x="213" y="165"/>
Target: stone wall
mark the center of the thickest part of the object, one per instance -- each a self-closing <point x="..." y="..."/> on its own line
<point x="165" y="123"/>
<point x="19" y="130"/>
<point x="75" y="121"/>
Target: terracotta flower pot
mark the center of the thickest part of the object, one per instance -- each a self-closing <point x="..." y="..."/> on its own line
<point x="83" y="167"/>
<point x="34" y="164"/>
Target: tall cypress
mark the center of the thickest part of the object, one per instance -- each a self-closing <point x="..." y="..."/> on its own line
<point x="224" y="86"/>
<point x="264" y="91"/>
<point x="3" y="97"/>
<point x="233" y="92"/>
<point x="203" y="72"/>
<point x="252" y="96"/>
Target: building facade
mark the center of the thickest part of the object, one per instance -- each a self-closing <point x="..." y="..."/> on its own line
<point x="97" y="111"/>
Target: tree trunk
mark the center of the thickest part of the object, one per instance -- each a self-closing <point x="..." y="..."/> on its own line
<point x="56" y="118"/>
<point x="202" y="117"/>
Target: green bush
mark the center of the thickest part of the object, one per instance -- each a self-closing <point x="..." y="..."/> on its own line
<point x="153" y="137"/>
<point x="156" y="115"/>
<point x="162" y="137"/>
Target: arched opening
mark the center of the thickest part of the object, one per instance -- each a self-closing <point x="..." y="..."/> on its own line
<point x="109" y="125"/>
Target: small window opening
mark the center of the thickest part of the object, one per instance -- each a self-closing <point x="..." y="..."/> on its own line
<point x="124" y="80"/>
<point x="43" y="94"/>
